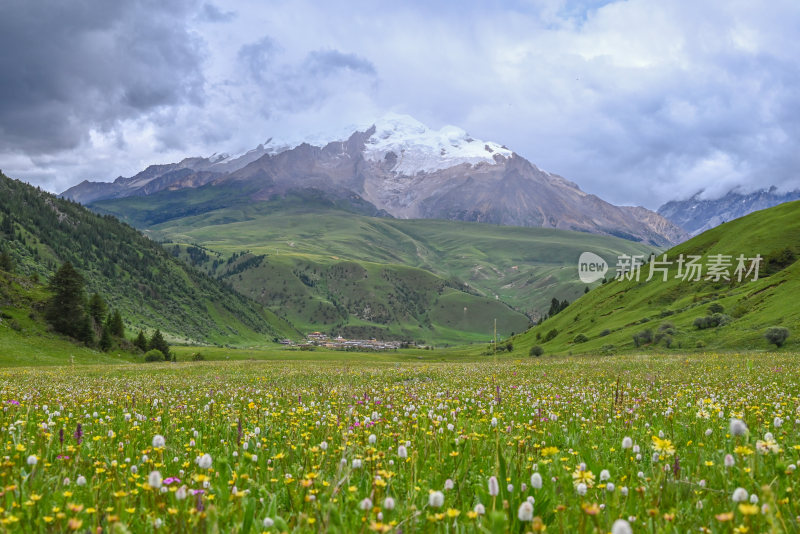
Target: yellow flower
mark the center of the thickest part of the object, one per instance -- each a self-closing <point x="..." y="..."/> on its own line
<point x="748" y="509"/>
<point x="586" y="477"/>
<point x="549" y="451"/>
<point x="663" y="446"/>
<point x="452" y="513"/>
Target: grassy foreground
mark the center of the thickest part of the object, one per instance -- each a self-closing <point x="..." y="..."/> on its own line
<point x="570" y="444"/>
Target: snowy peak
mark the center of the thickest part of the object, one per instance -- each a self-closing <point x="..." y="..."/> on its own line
<point x="417" y="148"/>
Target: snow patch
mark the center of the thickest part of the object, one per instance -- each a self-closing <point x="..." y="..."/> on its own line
<point x="421" y="149"/>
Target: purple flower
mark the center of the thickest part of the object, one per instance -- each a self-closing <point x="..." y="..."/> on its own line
<point x="170" y="480"/>
<point x="15" y="403"/>
<point x="79" y="434"/>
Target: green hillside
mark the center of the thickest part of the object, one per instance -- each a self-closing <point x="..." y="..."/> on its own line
<point x="611" y="315"/>
<point x="134" y="274"/>
<point x="442" y="281"/>
<point x="25" y="339"/>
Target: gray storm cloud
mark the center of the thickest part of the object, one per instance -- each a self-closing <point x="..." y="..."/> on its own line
<point x="639" y="102"/>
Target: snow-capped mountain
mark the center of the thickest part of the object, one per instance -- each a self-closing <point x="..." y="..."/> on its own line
<point x="696" y="214"/>
<point x="407" y="170"/>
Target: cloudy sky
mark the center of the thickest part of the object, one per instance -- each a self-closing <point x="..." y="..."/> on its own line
<point x="638" y="101"/>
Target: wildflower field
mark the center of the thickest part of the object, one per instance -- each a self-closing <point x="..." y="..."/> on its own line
<point x="658" y="443"/>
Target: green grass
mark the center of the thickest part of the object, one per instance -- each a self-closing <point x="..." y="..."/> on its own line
<point x="315" y="446"/>
<point x="624" y="308"/>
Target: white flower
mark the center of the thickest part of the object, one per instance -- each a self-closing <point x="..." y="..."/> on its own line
<point x="81" y="480"/>
<point x="448" y="484"/>
<point x="510" y="488"/>
<point x="402" y="452"/>
<point x="627" y="442"/>
<point x="256" y="431"/>
<point x="154" y="479"/>
<point x="159" y="441"/>
<point x="356" y="463"/>
<point x="372" y="439"/>
<point x="581" y="489"/>
<point x="254" y="458"/>
<point x="268" y="522"/>
<point x="729" y="460"/>
<point x="32" y="460"/>
<point x="708" y="432"/>
<point x="610" y="487"/>
<point x="738" y="428"/>
<point x="66" y="481"/>
<point x="536" y="481"/>
<point x="436" y="499"/>
<point x="480" y="509"/>
<point x="777" y="422"/>
<point x="366" y="504"/>
<point x="636" y="449"/>
<point x="604" y="475"/>
<point x="494" y="421"/>
<point x="158" y="522"/>
<point x="205" y="461"/>
<point x="181" y="493"/>
<point x="494" y="487"/>
<point x="624" y="491"/>
<point x="769" y="437"/>
<point x="134" y="469"/>
<point x="388" y="503"/>
<point x="324" y="445"/>
<point x="525" y="512"/>
<point x="739" y="495"/>
<point x="754" y="499"/>
<point x="621" y="526"/>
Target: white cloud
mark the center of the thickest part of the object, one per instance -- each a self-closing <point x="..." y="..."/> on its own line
<point x="639" y="101"/>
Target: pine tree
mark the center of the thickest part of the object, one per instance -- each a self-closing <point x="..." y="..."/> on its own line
<point x="105" y="338"/>
<point x="6" y="262"/>
<point x="97" y="309"/>
<point x="157" y="342"/>
<point x="140" y="342"/>
<point x="85" y="331"/>
<point x="116" y="325"/>
<point x="66" y="309"/>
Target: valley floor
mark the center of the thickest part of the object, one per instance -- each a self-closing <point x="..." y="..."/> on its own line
<point x="354" y="443"/>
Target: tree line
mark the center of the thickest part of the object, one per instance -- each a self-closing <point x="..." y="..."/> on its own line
<point x="88" y="319"/>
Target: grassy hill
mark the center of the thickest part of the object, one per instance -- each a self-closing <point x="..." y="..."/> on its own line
<point x="611" y="315"/>
<point x="442" y="281"/>
<point x="25" y="339"/>
<point x="134" y="274"/>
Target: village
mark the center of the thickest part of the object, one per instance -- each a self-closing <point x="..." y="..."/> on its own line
<point x="318" y="339"/>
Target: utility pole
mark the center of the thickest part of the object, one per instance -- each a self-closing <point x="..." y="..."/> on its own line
<point x="495" y="338"/>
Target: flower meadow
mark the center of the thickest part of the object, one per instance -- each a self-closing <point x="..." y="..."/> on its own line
<point x="701" y="443"/>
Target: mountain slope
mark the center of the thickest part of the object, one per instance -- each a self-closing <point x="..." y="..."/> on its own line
<point x="696" y="215"/>
<point x="304" y="237"/>
<point x="612" y="314"/>
<point x="407" y="170"/>
<point x="136" y="276"/>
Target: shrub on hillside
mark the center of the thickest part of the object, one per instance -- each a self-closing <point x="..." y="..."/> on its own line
<point x="154" y="355"/>
<point x="643" y="338"/>
<point x="712" y="321"/>
<point x="580" y="338"/>
<point x="536" y="351"/>
<point x="550" y="335"/>
<point x="777" y="335"/>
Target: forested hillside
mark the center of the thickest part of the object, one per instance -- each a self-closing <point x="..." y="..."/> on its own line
<point x="136" y="275"/>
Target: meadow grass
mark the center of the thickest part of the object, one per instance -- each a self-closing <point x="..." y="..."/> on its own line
<point x="358" y="443"/>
